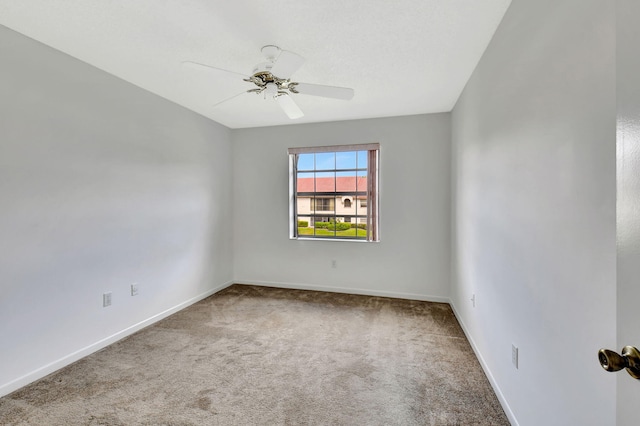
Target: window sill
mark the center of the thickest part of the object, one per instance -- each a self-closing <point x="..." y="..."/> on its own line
<point x="351" y="240"/>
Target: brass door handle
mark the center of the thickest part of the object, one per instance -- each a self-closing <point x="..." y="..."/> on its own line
<point x="629" y="359"/>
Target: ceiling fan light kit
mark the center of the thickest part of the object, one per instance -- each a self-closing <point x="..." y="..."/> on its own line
<point x="273" y="80"/>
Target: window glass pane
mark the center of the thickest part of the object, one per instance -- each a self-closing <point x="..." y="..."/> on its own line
<point x="305" y="225"/>
<point x="346" y="184"/>
<point x="362" y="159"/>
<point x="325" y="182"/>
<point x="326" y="161"/>
<point x="305" y="162"/>
<point x="324" y="205"/>
<point x="306" y="182"/>
<point x="361" y="182"/>
<point x="346" y="160"/>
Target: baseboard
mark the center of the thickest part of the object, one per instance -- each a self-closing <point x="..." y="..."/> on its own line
<point x="487" y="371"/>
<point x="348" y="290"/>
<point x="94" y="347"/>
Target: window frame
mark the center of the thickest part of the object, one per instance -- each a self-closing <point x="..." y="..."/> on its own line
<point x="372" y="191"/>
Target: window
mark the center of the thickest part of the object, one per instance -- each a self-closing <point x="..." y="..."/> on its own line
<point x="323" y="181"/>
<point x="323" y="204"/>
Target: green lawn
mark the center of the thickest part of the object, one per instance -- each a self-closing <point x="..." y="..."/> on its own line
<point x="361" y="233"/>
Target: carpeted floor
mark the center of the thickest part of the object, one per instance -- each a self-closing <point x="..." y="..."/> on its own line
<point x="264" y="356"/>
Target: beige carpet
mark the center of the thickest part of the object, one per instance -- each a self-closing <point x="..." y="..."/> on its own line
<point x="264" y="356"/>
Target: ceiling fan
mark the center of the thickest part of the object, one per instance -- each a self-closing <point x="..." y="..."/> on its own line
<point x="273" y="80"/>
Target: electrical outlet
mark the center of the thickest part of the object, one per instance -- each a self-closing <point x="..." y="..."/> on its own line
<point x="106" y="299"/>
<point x="134" y="289"/>
<point x="473" y="300"/>
<point x="334" y="263"/>
<point x="514" y="355"/>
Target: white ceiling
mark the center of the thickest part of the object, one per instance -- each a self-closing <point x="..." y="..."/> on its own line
<point x="401" y="57"/>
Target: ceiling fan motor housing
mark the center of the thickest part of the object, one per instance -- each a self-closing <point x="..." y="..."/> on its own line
<point x="262" y="78"/>
<point x="262" y="75"/>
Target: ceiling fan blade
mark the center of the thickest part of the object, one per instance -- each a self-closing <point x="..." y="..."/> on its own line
<point x="334" y="92"/>
<point x="203" y="67"/>
<point x="286" y="64"/>
<point x="289" y="106"/>
<point x="229" y="98"/>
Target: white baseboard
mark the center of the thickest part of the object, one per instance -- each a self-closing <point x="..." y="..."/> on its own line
<point x="94" y="347"/>
<point x="348" y="290"/>
<point x="487" y="371"/>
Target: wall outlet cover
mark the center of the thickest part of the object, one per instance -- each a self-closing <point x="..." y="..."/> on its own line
<point x="106" y="299"/>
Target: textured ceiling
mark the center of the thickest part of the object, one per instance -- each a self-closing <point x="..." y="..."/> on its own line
<point x="401" y="57"/>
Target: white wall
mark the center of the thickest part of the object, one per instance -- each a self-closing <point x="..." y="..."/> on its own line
<point x="534" y="220"/>
<point x="412" y="258"/>
<point x="628" y="207"/>
<point x="101" y="185"/>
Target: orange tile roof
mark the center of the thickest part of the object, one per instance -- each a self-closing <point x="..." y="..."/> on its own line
<point x="330" y="184"/>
